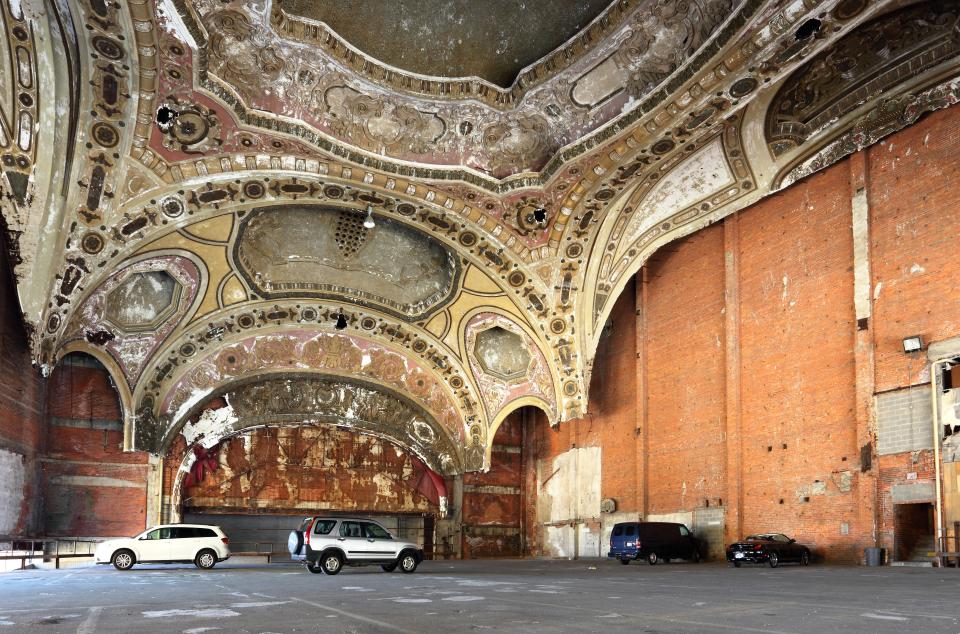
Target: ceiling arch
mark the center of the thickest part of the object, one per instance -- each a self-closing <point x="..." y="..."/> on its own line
<point x="310" y="398"/>
<point x="548" y="201"/>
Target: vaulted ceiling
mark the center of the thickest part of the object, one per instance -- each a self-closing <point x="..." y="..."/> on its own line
<point x="186" y="183"/>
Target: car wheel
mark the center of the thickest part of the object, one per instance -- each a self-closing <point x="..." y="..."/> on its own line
<point x="331" y="563"/>
<point x="206" y="559"/>
<point x="123" y="560"/>
<point x="625" y="561"/>
<point x="695" y="557"/>
<point x="805" y="558"/>
<point x="389" y="567"/>
<point x="773" y="560"/>
<point x="737" y="564"/>
<point x="408" y="562"/>
<point x="652" y="559"/>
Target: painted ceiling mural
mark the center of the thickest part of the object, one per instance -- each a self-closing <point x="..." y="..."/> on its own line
<point x="234" y="198"/>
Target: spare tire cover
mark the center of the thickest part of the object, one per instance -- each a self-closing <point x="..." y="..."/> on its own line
<point x="295" y="542"/>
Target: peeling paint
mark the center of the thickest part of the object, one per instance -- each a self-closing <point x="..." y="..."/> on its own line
<point x="13" y="477"/>
<point x="210" y="427"/>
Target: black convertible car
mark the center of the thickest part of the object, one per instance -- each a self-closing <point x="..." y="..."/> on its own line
<point x="772" y="548"/>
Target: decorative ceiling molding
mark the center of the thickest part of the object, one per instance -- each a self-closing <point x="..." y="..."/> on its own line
<point x="175" y="390"/>
<point x="131" y="314"/>
<point x="903" y="43"/>
<point x="546" y="251"/>
<point x="528" y="136"/>
<point x="369" y="408"/>
<point x="298" y="28"/>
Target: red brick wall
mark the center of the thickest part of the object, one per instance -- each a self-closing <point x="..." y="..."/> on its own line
<point x="914" y="192"/>
<point x="92" y="488"/>
<point x="914" y="197"/>
<point x="685" y="374"/>
<point x="797" y="333"/>
<point x="492" y="501"/>
<point x="21" y="414"/>
<point x="760" y="412"/>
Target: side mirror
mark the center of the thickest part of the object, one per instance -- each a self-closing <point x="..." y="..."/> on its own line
<point x="793" y="541"/>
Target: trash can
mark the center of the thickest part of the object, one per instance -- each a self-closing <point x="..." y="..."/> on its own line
<point x="874" y="556"/>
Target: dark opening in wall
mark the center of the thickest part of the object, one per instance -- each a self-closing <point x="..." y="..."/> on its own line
<point x="808" y="28"/>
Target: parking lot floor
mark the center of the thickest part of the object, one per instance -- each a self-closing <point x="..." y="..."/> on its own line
<point x="500" y="595"/>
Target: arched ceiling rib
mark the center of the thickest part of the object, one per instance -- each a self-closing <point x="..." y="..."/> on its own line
<point x="547" y="196"/>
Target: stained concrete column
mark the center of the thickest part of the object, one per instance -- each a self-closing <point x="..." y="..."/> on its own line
<point x="864" y="365"/>
<point x="641" y="430"/>
<point x="733" y="445"/>
<point x="154" y="491"/>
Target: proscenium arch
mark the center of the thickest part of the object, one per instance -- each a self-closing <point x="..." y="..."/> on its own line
<point x="302" y="348"/>
<point x="433" y="457"/>
<point x="299" y="316"/>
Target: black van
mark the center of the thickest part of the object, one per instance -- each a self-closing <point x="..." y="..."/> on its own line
<point x="653" y="541"/>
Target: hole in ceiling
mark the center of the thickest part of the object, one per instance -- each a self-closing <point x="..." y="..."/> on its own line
<point x="808" y="28"/>
<point x="341" y="321"/>
<point x="165" y="117"/>
<point x="540" y="215"/>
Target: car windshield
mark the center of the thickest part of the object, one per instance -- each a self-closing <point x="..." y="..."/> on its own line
<point x="768" y="537"/>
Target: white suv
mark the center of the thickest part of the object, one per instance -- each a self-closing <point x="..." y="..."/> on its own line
<point x="328" y="544"/>
<point x="198" y="543"/>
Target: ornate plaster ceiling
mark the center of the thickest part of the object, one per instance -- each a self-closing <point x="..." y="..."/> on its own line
<point x="222" y="249"/>
<point x="492" y="40"/>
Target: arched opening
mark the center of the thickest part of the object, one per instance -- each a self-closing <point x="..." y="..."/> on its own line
<point x="90" y="486"/>
<point x="259" y="483"/>
<point x="262" y="455"/>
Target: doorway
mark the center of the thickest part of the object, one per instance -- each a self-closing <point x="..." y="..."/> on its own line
<point x="913" y="532"/>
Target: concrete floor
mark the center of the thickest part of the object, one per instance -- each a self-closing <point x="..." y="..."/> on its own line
<point x="454" y="596"/>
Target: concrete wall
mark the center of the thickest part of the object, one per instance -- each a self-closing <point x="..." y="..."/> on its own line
<point x="904" y="420"/>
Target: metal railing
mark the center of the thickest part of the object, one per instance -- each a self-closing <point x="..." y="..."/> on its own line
<point x="258" y="549"/>
<point x="948" y="550"/>
<point x="46" y="550"/>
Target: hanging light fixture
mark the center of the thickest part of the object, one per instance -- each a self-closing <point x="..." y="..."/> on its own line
<point x="368" y="221"/>
<point x="341" y="321"/>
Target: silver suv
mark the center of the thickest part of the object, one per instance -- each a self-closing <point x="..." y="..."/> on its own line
<point x="327" y="544"/>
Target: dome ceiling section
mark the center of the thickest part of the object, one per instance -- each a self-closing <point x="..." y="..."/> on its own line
<point x="325" y="252"/>
<point x="493" y="40"/>
<point x="287" y="77"/>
